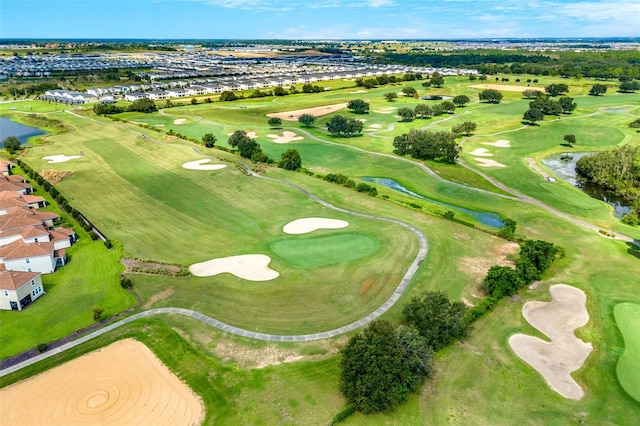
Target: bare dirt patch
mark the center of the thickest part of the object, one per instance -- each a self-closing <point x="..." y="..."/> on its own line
<point x="247" y="357"/>
<point x="55" y="176"/>
<point x="137" y="266"/>
<point x="315" y="111"/>
<point x="565" y="353"/>
<point x="366" y="285"/>
<point x="121" y="384"/>
<point x="477" y="267"/>
<point x="159" y="297"/>
<point x="507" y="87"/>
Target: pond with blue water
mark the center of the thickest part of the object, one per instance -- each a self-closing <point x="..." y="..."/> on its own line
<point x="22" y="132"/>
<point x="486" y="218"/>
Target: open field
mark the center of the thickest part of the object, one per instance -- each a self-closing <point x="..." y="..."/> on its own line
<point x="136" y="190"/>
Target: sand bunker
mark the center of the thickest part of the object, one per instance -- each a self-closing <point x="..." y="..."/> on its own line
<point x="507" y="87"/>
<point x="483" y="162"/>
<point x="502" y="143"/>
<point x="179" y="121"/>
<point x="60" y="158"/>
<point x="285" y="138"/>
<point x="386" y="110"/>
<point x="251" y="135"/>
<point x="359" y="91"/>
<point x="481" y="152"/>
<point x="316" y="112"/>
<point x="251" y="267"/>
<point x="199" y="165"/>
<point x="310" y="224"/>
<point x="121" y="384"/>
<point x="375" y="126"/>
<point x="558" y="319"/>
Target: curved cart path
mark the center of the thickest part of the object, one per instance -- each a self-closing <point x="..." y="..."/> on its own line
<point x="402" y="286"/>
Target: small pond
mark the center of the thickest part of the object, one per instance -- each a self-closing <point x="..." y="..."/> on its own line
<point x="566" y="170"/>
<point x="22" y="132"/>
<point x="486" y="218"/>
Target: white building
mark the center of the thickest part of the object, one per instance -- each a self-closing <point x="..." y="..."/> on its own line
<point x="19" y="289"/>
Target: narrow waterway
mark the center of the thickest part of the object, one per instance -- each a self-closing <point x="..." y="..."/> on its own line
<point x="486" y="218"/>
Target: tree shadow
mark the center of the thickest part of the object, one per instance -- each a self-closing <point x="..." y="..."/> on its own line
<point x="634" y="249"/>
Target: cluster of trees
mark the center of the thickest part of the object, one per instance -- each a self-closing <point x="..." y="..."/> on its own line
<point x="491" y="96"/>
<point x="17" y="90"/>
<point x="247" y="147"/>
<point x="311" y="88"/>
<point x="342" y="126"/>
<point x="436" y="80"/>
<point x="307" y="120"/>
<point x="426" y="145"/>
<point x="426" y="111"/>
<point x="609" y="64"/>
<point x="345" y="181"/>
<point x="141" y="105"/>
<point x="617" y="170"/>
<point x="381" y="365"/>
<point x="536" y="256"/>
<point x="556" y="89"/>
<point x="543" y="105"/>
<point x="464" y="128"/>
<point x="209" y="140"/>
<point x="598" y="89"/>
<point x="383" y="80"/>
<point x="629" y="86"/>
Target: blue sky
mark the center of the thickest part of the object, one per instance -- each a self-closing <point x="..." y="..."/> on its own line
<point x="317" y="19"/>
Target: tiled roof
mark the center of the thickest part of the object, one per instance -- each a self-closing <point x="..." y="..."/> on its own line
<point x="13" y="280"/>
<point x="20" y="250"/>
<point x="18" y="222"/>
<point x="34" y="232"/>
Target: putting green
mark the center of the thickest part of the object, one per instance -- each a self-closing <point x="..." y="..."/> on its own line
<point x="324" y="250"/>
<point x="628" y="369"/>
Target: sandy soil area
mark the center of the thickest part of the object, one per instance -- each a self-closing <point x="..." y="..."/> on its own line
<point x="286" y="137"/>
<point x="310" y="224"/>
<point x="507" y="87"/>
<point x="375" y="126"/>
<point x="558" y="319"/>
<point x="179" y="121"/>
<point x="481" y="152"/>
<point x="359" y="91"/>
<point x="483" y="162"/>
<point x="386" y="110"/>
<point x="316" y="112"/>
<point x="121" y="384"/>
<point x="251" y="267"/>
<point x="60" y="158"/>
<point x="502" y="143"/>
<point x="200" y="165"/>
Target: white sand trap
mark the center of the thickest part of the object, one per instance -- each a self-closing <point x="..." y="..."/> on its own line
<point x="375" y="126"/>
<point x="200" y="165"/>
<point x="558" y="319"/>
<point x="179" y="121"/>
<point x="286" y="137"/>
<point x="481" y="152"/>
<point x="359" y="91"/>
<point x="251" y="135"/>
<point x="252" y="267"/>
<point x="310" y="224"/>
<point x="60" y="158"/>
<point x="123" y="384"/>
<point x="483" y="162"/>
<point x="502" y="143"/>
<point x="159" y="125"/>
<point x="386" y="110"/>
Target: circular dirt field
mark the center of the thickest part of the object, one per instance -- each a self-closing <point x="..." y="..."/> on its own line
<point x="122" y="384"/>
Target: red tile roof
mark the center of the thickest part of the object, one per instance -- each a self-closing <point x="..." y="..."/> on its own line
<point x="13" y="280"/>
<point x="18" y="222"/>
<point x="21" y="250"/>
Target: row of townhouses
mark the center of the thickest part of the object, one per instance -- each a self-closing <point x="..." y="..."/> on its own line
<point x="30" y="245"/>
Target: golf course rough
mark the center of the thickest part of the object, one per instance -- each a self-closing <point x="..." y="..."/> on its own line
<point x="627" y="317"/>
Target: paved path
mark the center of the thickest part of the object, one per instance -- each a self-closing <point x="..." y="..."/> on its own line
<point x="402" y="286"/>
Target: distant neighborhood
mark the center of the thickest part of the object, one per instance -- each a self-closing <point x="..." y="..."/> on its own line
<point x="30" y="244"/>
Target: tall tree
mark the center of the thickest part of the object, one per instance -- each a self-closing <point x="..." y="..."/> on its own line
<point x="290" y="160"/>
<point x="556" y="89"/>
<point x="209" y="140"/>
<point x="339" y="125"/>
<point x="532" y="115"/>
<point x="358" y="106"/>
<point x="490" y="95"/>
<point x="598" y="89"/>
<point x="438" y="320"/>
<point x="409" y="91"/>
<point x="391" y="96"/>
<point x="461" y="100"/>
<point x="437" y="80"/>
<point x="405" y="114"/>
<point x="381" y="365"/>
<point x="423" y="111"/>
<point x="569" y="139"/>
<point x="275" y="122"/>
<point x="465" y="128"/>
<point x="11" y="144"/>
<point x="306" y="120"/>
<point x="567" y="104"/>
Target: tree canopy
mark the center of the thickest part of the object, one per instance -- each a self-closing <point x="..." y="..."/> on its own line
<point x="339" y="125"/>
<point x="598" y="89"/>
<point x="290" y="160"/>
<point x="306" y="120"/>
<point x="556" y="89"/>
<point x="274" y="122"/>
<point x="406" y="114"/>
<point x="567" y="104"/>
<point x="11" y="144"/>
<point x="465" y="128"/>
<point x="490" y="95"/>
<point x="209" y="140"/>
<point x="437" y="80"/>
<point x="381" y="365"/>
<point x="461" y="100"/>
<point x="426" y="145"/>
<point x="438" y="320"/>
<point x="358" y="106"/>
<point x="532" y="115"/>
<point x="391" y="96"/>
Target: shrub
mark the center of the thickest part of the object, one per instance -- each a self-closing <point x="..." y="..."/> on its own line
<point x="108" y="244"/>
<point x="41" y="347"/>
<point x="97" y="313"/>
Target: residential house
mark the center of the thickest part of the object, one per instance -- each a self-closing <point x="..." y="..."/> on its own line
<point x="34" y="257"/>
<point x="19" y="289"/>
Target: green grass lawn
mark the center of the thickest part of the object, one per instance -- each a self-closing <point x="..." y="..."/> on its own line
<point x="137" y="192"/>
<point x="627" y="317"/>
